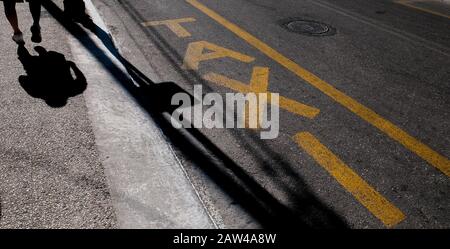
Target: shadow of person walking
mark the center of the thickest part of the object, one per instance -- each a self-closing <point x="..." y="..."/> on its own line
<point x="50" y="76"/>
<point x="75" y="10"/>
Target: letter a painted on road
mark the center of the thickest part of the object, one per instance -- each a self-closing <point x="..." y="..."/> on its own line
<point x="196" y="53"/>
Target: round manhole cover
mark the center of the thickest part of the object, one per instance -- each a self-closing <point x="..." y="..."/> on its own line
<point x="308" y="27"/>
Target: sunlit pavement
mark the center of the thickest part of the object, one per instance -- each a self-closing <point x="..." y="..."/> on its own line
<point x="364" y="121"/>
<point x="376" y="155"/>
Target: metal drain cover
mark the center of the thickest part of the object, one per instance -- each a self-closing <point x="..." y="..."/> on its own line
<point x="308" y="27"/>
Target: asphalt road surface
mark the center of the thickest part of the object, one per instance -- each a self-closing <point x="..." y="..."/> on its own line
<point x="373" y="150"/>
<point x="364" y="118"/>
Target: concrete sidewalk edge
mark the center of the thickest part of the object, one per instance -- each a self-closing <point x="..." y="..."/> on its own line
<point x="149" y="185"/>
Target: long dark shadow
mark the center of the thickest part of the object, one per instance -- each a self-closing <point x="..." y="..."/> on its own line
<point x="155" y="98"/>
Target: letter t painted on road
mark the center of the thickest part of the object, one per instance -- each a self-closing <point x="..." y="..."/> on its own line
<point x="174" y="25"/>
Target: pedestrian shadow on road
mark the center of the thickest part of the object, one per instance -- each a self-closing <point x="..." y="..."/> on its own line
<point x="50" y="77"/>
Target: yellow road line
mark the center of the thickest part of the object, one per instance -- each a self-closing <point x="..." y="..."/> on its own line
<point x="361" y="190"/>
<point x="195" y="54"/>
<point x="396" y="133"/>
<point x="408" y="4"/>
<point x="174" y="25"/>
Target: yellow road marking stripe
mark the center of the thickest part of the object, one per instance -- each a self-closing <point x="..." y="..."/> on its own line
<point x="408" y="4"/>
<point x="174" y="25"/>
<point x="195" y="54"/>
<point x="361" y="190"/>
<point x="414" y="145"/>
